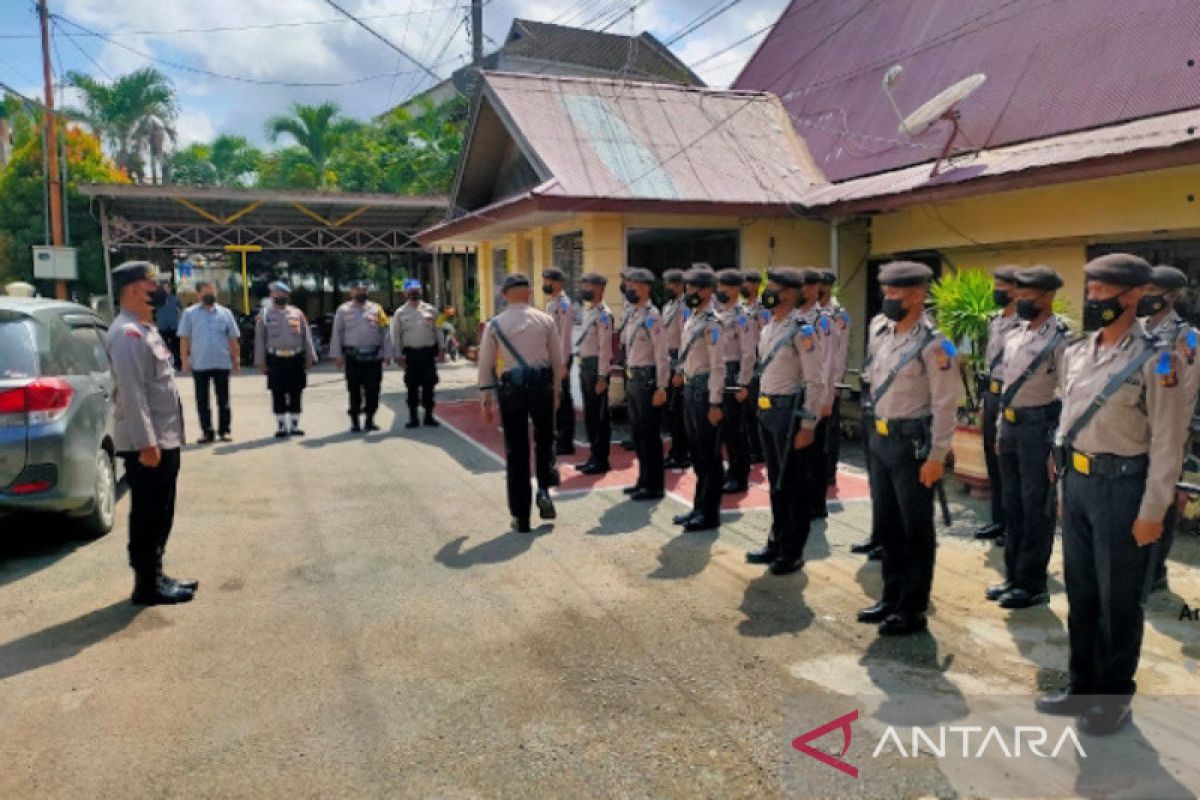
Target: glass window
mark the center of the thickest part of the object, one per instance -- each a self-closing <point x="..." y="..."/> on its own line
<point x="74" y="347"/>
<point x="499" y="270"/>
<point x="18" y="357"/>
<point x="566" y="253"/>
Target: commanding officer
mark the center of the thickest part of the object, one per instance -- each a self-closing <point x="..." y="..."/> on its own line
<point x="812" y="314"/>
<point x="674" y="314"/>
<point x="558" y="306"/>
<point x="1117" y="449"/>
<point x="701" y="373"/>
<point x="148" y="430"/>
<point x="284" y="352"/>
<point x="739" y="345"/>
<point x="648" y="373"/>
<point x="361" y="344"/>
<point x="1157" y="305"/>
<point x="1000" y="324"/>
<point x="872" y="546"/>
<point x="841" y="361"/>
<point x="791" y="371"/>
<point x="1029" y="411"/>
<point x="417" y="344"/>
<point x="759" y="317"/>
<point x="520" y="359"/>
<point x="595" y="360"/>
<point x="914" y="391"/>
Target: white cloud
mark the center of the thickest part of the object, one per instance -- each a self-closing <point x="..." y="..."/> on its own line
<point x="194" y="126"/>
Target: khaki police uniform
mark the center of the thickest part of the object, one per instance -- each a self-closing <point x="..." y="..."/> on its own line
<point x="283" y="344"/>
<point x="817" y="487"/>
<point x="360" y="337"/>
<point x="647" y="369"/>
<point x="674" y="315"/>
<point x="594" y="345"/>
<point x="739" y="342"/>
<point x="702" y="365"/>
<point x="417" y="339"/>
<point x="1000" y="325"/>
<point x="563" y="313"/>
<point x="759" y="317"/>
<point x="840" y="355"/>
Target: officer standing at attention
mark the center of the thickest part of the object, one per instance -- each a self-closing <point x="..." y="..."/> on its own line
<point x="812" y="314"/>
<point x="739" y="344"/>
<point x="520" y="361"/>
<point x="1117" y="451"/>
<point x="648" y="373"/>
<point x="701" y="373"/>
<point x="360" y="343"/>
<point x="418" y="346"/>
<point x="148" y="430"/>
<point x="872" y="546"/>
<point x="759" y="317"/>
<point x="558" y="306"/>
<point x="1157" y="305"/>
<point x="595" y="361"/>
<point x="914" y="392"/>
<point x="284" y="352"/>
<point x="841" y="361"/>
<point x="1029" y="411"/>
<point x="1000" y="324"/>
<point x="791" y="371"/>
<point x="674" y="314"/>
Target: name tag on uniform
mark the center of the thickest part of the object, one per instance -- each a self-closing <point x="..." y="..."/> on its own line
<point x="1082" y="463"/>
<point x="1010" y="415"/>
<point x="764" y="402"/>
<point x="881" y="427"/>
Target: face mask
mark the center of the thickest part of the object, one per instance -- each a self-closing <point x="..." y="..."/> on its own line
<point x="547" y="289"/>
<point x="893" y="309"/>
<point x="1151" y="304"/>
<point x="723" y="297"/>
<point x="585" y="295"/>
<point x="1000" y="297"/>
<point x="157" y="297"/>
<point x="631" y="295"/>
<point x="771" y="298"/>
<point x="414" y="297"/>
<point x="672" y="294"/>
<point x="359" y="297"/>
<point x="746" y="293"/>
<point x="1102" y="313"/>
<point x="279" y="301"/>
<point x="209" y="299"/>
<point x="1028" y="309"/>
<point x="694" y="300"/>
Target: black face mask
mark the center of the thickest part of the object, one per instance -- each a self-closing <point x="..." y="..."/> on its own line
<point x="1102" y="313"/>
<point x="771" y="298"/>
<point x="893" y="309"/>
<point x="672" y="294"/>
<point x="415" y="297"/>
<point x="723" y="297"/>
<point x="547" y="289"/>
<point x="1001" y="297"/>
<point x="208" y="299"/>
<point x="359" y="298"/>
<point x="1151" y="304"/>
<point x="631" y="295"/>
<point x="585" y="295"/>
<point x="694" y="300"/>
<point x="1028" y="309"/>
<point x="279" y="301"/>
<point x="157" y="297"/>
<point x="747" y="292"/>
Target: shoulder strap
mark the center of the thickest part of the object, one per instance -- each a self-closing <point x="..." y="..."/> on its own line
<point x="1109" y="389"/>
<point x="683" y="354"/>
<point x="495" y="326"/>
<point x="882" y="389"/>
<point x="1011" y="390"/>
<point x="779" y="345"/>
<point x="587" y="327"/>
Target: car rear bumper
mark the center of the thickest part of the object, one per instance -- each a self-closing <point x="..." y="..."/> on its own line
<point x="69" y="466"/>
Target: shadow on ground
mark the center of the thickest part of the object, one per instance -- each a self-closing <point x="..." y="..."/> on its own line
<point x="65" y="640"/>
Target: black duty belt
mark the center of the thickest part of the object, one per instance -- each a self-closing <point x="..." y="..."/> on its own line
<point x="900" y="427"/>
<point x="648" y="369"/>
<point x="369" y="353"/>
<point x="1106" y="465"/>
<point x="695" y="380"/>
<point x="526" y="376"/>
<point x="1033" y="414"/>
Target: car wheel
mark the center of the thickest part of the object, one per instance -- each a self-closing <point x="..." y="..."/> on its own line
<point x="99" y="520"/>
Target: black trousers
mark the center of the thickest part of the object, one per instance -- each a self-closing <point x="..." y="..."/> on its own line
<point x="363" y="379"/>
<point x="646" y="421"/>
<point x="1030" y="521"/>
<point x="151" y="509"/>
<point x="704" y="440"/>
<point x="219" y="378"/>
<point x="905" y="509"/>
<point x="833" y="442"/>
<point x="1105" y="573"/>
<point x="286" y="378"/>
<point x="1168" y="538"/>
<point x="750" y="421"/>
<point x="596" y="419"/>
<point x="817" y="488"/>
<point x="868" y="431"/>
<point x="733" y="428"/>
<point x="420" y="376"/>
<point x="991" y="411"/>
<point x="676" y="420"/>
<point x="791" y="521"/>
<point x="519" y="406"/>
<point x="564" y="418"/>
<point x="170" y="337"/>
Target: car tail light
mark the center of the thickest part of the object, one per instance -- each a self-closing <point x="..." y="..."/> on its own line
<point x="33" y="487"/>
<point x="37" y="402"/>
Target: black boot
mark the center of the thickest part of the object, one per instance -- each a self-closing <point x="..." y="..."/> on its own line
<point x="430" y="420"/>
<point x="151" y="589"/>
<point x="369" y="423"/>
<point x="354" y="426"/>
<point x="413" y="422"/>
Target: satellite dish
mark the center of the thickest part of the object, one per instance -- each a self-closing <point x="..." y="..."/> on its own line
<point x="941" y="106"/>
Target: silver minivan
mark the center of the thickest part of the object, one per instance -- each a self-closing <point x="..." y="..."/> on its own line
<point x="56" y="413"/>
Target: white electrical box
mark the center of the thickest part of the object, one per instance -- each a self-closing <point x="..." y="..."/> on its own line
<point x="55" y="263"/>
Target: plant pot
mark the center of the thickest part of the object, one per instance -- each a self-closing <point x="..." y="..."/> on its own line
<point x="970" y="465"/>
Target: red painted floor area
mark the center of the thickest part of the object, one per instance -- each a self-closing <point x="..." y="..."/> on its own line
<point x="464" y="418"/>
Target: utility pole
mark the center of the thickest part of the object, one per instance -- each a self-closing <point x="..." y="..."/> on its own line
<point x="51" y="142"/>
<point x="476" y="32"/>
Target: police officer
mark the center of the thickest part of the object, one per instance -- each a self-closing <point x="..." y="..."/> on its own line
<point x="759" y="317"/>
<point x="559" y="307"/>
<point x="872" y="546"/>
<point x="360" y="343"/>
<point x="148" y="430"/>
<point x="647" y="373"/>
<point x="674" y="314"/>
<point x="739" y="345"/>
<point x="520" y="362"/>
<point x="914" y="391"/>
<point x="791" y="372"/>
<point x="701" y="373"/>
<point x="1117" y="449"/>
<point x="594" y="344"/>
<point x="1029" y="411"/>
<point x="812" y="314"/>
<point x="284" y="352"/>
<point x="841" y="360"/>
<point x="1157" y="305"/>
<point x="1000" y="324"/>
<point x="418" y="346"/>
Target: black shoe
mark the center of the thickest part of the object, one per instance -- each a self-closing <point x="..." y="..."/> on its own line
<point x="876" y="613"/>
<point x="281" y="433"/>
<point x="295" y="431"/>
<point x="1106" y="717"/>
<point x="684" y="519"/>
<point x="545" y="505"/>
<point x="646" y="494"/>
<point x="698" y="523"/>
<point x="1000" y="540"/>
<point x="764" y="555"/>
<point x="564" y="450"/>
<point x="187" y="586"/>
<point x="631" y="490"/>
<point x="677" y="463"/>
<point x="593" y="469"/>
<point x="902" y="624"/>
<point x="786" y="565"/>
<point x="757" y="458"/>
<point x="354" y="426"/>
<point x="1160" y="584"/>
<point x="875" y="555"/>
<point x="1017" y="597"/>
<point x="207" y="438"/>
<point x="412" y="423"/>
<point x="994" y="593"/>
<point x="225" y="437"/>
<point x="734" y="487"/>
<point x="431" y="421"/>
<point x="628" y="444"/>
<point x="370" y="425"/>
<point x="1067" y="703"/>
<point x="990" y="531"/>
<point x="554" y="480"/>
<point x="158" y="592"/>
<point x="520" y="525"/>
<point x="864" y="547"/>
<point x="820" y="513"/>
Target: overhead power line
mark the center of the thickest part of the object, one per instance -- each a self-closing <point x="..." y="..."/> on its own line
<point x="384" y="39"/>
<point x="701" y="21"/>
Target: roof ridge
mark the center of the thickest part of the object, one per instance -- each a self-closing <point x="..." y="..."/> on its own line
<point x="617" y="81"/>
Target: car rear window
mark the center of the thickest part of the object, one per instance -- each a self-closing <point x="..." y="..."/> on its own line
<point x="18" y="358"/>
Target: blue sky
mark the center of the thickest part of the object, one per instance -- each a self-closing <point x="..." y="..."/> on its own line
<point x="306" y="41"/>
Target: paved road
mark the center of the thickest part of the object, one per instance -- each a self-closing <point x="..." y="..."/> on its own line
<point x="367" y="627"/>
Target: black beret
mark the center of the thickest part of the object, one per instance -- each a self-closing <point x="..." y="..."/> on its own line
<point x="132" y="271"/>
<point x="639" y="275"/>
<point x="811" y="276"/>
<point x="1168" y="278"/>
<point x="1038" y="277"/>
<point x="752" y="276"/>
<point x="595" y="278"/>
<point x="554" y="274"/>
<point x="730" y="277"/>
<point x="1119" y="269"/>
<point x="702" y="265"/>
<point x="673" y="276"/>
<point x="904" y="273"/>
<point x="828" y="276"/>
<point x="514" y="279"/>
<point x="702" y="278"/>
<point x="1006" y="273"/>
<point x="787" y="277"/>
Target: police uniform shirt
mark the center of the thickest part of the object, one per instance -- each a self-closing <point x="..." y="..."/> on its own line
<point x="759" y="316"/>
<point x="360" y="326"/>
<point x="1021" y="346"/>
<point x="645" y="342"/>
<point x="926" y="386"/>
<point x="739" y="341"/>
<point x="147" y="412"/>
<point x="822" y="324"/>
<point x="559" y="309"/>
<point x="673" y="318"/>
<point x="596" y="339"/>
<point x="999" y="327"/>
<point x="1143" y="417"/>
<point x="284" y="330"/>
<point x="531" y="332"/>
<point x="1174" y="332"/>
<point x="705" y="356"/>
<point x="793" y="364"/>
<point x="840" y="334"/>
<point x="415" y="327"/>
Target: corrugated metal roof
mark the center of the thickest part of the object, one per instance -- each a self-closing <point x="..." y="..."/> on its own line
<point x="614" y="139"/>
<point x="1053" y="66"/>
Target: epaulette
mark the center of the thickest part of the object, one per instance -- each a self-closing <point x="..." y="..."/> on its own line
<point x="132" y="330"/>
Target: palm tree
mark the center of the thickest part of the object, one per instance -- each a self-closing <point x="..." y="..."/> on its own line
<point x="234" y="160"/>
<point x="317" y="129"/>
<point x="151" y="135"/>
<point x="134" y="113"/>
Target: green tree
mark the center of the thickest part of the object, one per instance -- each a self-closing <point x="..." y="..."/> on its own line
<point x="400" y="153"/>
<point x="227" y="161"/>
<point x="287" y="168"/>
<point x="319" y="130"/>
<point x="133" y="115"/>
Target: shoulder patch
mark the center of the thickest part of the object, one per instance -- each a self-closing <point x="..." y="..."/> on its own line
<point x="824" y="320"/>
<point x="843" y="320"/>
<point x="132" y="331"/>
<point x="687" y="314"/>
<point x="743" y="321"/>
<point x="1168" y="373"/>
<point x="650" y="322"/>
<point x="946" y="353"/>
<point x="765" y="315"/>
<point x="714" y="334"/>
<point x="808" y="336"/>
<point x="604" y="318"/>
